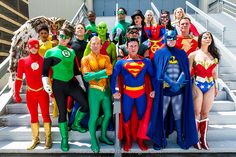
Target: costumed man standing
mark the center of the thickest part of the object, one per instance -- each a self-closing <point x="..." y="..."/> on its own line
<point x="133" y="90"/>
<point x="62" y="60"/>
<point x="91" y="27"/>
<point x="133" y="32"/>
<point x="185" y="40"/>
<point x="32" y="67"/>
<point x="78" y="44"/>
<point x="173" y="106"/>
<point x="96" y="68"/>
<point x="119" y="31"/>
<point x="108" y="48"/>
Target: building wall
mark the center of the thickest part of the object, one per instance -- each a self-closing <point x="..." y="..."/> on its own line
<point x="13" y="13"/>
<point x="54" y="8"/>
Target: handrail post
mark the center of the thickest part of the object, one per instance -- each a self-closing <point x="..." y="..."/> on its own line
<point x="206" y="24"/>
<point x="223" y="35"/>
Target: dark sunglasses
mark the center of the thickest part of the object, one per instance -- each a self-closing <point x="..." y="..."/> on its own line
<point x="133" y="32"/>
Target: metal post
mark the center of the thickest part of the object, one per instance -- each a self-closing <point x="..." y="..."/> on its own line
<point x="117" y="142"/>
<point x="223" y="34"/>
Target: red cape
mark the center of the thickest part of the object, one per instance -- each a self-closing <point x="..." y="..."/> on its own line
<point x="136" y="129"/>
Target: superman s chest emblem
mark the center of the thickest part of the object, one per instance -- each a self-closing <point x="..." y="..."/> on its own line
<point x="134" y="68"/>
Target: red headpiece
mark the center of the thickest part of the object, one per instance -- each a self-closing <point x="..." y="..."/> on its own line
<point x="33" y="43"/>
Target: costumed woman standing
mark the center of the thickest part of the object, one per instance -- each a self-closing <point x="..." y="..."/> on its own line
<point x="204" y="63"/>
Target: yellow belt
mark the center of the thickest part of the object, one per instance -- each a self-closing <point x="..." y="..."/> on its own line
<point x="206" y="79"/>
<point x="35" y="90"/>
<point x="98" y="87"/>
<point x="133" y="88"/>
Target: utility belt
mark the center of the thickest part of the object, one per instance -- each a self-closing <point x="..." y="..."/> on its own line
<point x="34" y="90"/>
<point x="98" y="87"/>
<point x="134" y="92"/>
<point x="206" y="79"/>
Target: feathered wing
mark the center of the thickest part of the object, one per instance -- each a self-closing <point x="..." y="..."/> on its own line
<point x="19" y="42"/>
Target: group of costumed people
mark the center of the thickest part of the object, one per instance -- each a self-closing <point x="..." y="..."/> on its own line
<point x="166" y="78"/>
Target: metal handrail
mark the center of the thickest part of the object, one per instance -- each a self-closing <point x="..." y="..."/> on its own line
<point x="154" y="8"/>
<point x="78" y="17"/>
<point x="4" y="66"/>
<point x="207" y="17"/>
<point x="228" y="4"/>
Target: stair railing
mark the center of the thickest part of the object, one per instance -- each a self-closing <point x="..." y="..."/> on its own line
<point x="80" y="15"/>
<point x="207" y="18"/>
<point x="155" y="10"/>
<point x="228" y="7"/>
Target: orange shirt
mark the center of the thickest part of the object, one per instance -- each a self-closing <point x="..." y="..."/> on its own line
<point x="94" y="63"/>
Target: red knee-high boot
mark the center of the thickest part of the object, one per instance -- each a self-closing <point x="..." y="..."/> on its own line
<point x="203" y="132"/>
<point x="128" y="143"/>
<point x="198" y="145"/>
<point x="140" y="141"/>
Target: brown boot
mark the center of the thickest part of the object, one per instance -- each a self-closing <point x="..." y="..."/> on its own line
<point x="35" y="136"/>
<point x="203" y="132"/>
<point x="55" y="109"/>
<point x="48" y="135"/>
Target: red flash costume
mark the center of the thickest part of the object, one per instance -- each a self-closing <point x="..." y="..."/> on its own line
<point x="188" y="44"/>
<point x="32" y="66"/>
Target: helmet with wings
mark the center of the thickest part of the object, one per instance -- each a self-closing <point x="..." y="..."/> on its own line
<point x="24" y="33"/>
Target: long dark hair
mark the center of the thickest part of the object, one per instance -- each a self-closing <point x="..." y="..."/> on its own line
<point x="168" y="26"/>
<point x="212" y="49"/>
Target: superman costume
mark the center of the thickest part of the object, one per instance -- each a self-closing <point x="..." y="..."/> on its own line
<point x="160" y="127"/>
<point x="133" y="90"/>
<point x="203" y="78"/>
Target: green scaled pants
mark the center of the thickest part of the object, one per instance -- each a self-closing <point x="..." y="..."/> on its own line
<point x="96" y="98"/>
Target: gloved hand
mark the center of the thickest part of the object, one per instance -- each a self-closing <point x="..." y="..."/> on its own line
<point x="17" y="88"/>
<point x="175" y="87"/>
<point x="168" y="80"/>
<point x="46" y="85"/>
<point x="81" y="83"/>
<point x="118" y="33"/>
<point x="95" y="75"/>
<point x="17" y="98"/>
<point x="181" y="79"/>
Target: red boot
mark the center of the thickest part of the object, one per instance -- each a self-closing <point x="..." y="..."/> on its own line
<point x="128" y="143"/>
<point x="141" y="144"/>
<point x="198" y="145"/>
<point x="203" y="132"/>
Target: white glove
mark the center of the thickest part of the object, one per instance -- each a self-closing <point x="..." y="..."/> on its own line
<point x="118" y="33"/>
<point x="46" y="85"/>
<point x="81" y="83"/>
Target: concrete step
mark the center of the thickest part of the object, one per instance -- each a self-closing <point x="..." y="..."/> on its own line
<point x="222" y="95"/>
<point x="222" y="118"/>
<point x="22" y="120"/>
<point x="172" y="149"/>
<point x="22" y="133"/>
<point x="228" y="77"/>
<point x="231" y="84"/>
<point x="21" y="108"/>
<point x="227" y="70"/>
<point x="223" y="106"/>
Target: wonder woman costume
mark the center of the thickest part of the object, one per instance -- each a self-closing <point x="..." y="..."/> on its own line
<point x="203" y="74"/>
